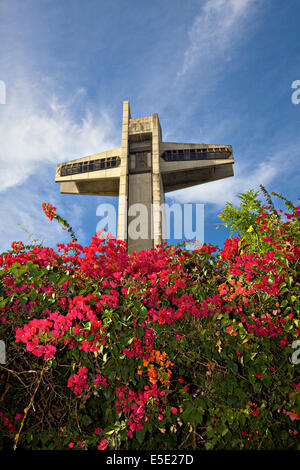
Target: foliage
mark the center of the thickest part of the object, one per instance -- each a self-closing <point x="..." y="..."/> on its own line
<point x="165" y="349"/>
<point x="240" y="218"/>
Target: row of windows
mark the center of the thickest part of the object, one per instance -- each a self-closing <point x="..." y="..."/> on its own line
<point x="168" y="155"/>
<point x="92" y="165"/>
<point x="196" y="154"/>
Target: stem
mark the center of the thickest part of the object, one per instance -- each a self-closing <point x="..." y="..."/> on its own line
<point x="17" y="436"/>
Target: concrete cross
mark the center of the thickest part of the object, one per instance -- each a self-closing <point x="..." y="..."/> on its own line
<point x="141" y="171"/>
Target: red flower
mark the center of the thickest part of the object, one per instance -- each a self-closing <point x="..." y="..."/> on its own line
<point x="283" y="342"/>
<point x="49" y="210"/>
<point x="231" y="249"/>
<point x="296" y="386"/>
<point x="102" y="444"/>
<point x="232" y="333"/>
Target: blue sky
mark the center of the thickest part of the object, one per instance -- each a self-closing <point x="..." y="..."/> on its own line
<point x="216" y="71"/>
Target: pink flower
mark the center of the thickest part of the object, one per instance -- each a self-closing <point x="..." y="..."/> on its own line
<point x="292" y="415"/>
<point x="102" y="444"/>
<point x="97" y="431"/>
<point x="174" y="410"/>
<point x="71" y="445"/>
<point x="296" y="386"/>
<point x="283" y="342"/>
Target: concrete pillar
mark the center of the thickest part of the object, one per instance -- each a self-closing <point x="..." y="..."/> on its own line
<point x="156" y="180"/>
<point x="139" y="213"/>
<point x="123" y="185"/>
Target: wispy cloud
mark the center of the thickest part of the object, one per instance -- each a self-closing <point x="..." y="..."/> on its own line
<point x="216" y="31"/>
<point x="37" y="128"/>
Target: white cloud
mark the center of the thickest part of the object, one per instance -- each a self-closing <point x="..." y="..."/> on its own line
<point x="37" y="128"/>
<point x="215" y="31"/>
<point x="37" y="131"/>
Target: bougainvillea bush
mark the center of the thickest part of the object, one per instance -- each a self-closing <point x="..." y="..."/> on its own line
<point x="170" y="348"/>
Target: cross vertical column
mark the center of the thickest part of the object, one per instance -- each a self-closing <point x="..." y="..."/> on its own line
<point x="157" y="185"/>
<point x="123" y="185"/>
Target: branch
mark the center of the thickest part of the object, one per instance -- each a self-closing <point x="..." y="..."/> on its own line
<point x="27" y="409"/>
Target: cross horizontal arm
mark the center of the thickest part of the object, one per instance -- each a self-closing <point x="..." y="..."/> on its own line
<point x="96" y="174"/>
<point x="185" y="165"/>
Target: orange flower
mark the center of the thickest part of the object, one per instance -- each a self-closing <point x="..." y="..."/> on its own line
<point x="162" y="374"/>
<point x="17" y="246"/>
<point x="49" y="210"/>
